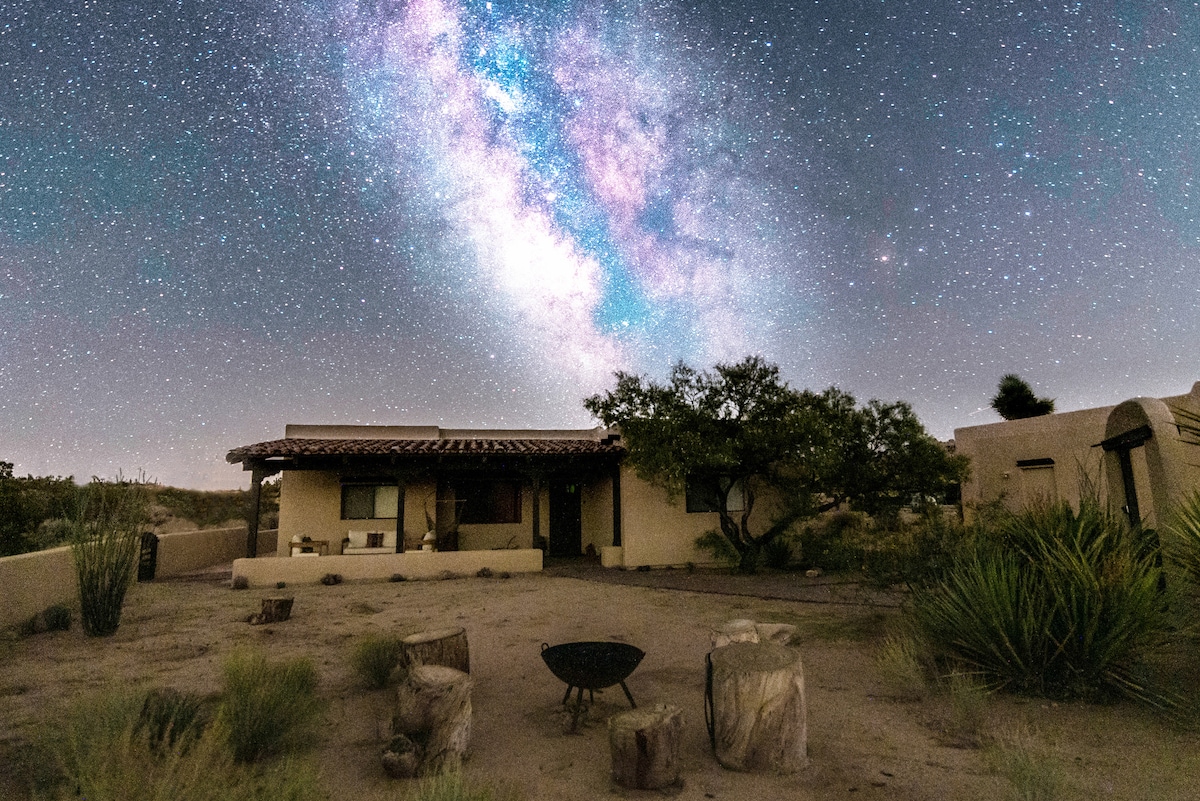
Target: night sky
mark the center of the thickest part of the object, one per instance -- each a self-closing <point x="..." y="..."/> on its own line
<point x="220" y="217"/>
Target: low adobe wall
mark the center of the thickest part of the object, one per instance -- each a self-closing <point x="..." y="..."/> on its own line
<point x="268" y="571"/>
<point x="30" y="582"/>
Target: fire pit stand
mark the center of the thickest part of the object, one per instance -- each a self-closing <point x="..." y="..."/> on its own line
<point x="591" y="666"/>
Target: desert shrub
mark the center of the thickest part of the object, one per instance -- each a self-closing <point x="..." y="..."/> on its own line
<point x="103" y="751"/>
<point x="267" y="707"/>
<point x="777" y="553"/>
<point x="719" y="547"/>
<point x="911" y="553"/>
<point x="1049" y="601"/>
<point x="374" y="659"/>
<point x="451" y="786"/>
<point x="105" y="541"/>
<point x="57" y="617"/>
<point x="834" y="542"/>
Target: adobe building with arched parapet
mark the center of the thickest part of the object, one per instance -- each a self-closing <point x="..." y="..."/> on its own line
<point x="1140" y="456"/>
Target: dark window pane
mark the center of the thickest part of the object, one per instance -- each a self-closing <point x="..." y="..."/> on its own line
<point x="358" y="502"/>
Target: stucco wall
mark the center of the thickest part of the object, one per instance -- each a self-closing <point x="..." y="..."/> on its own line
<point x="30" y="582"/>
<point x="596" y="514"/>
<point x="1166" y="468"/>
<point x="995" y="449"/>
<point x="656" y="531"/>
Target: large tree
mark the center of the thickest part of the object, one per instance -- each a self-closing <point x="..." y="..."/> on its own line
<point x="1016" y="400"/>
<point x="734" y="432"/>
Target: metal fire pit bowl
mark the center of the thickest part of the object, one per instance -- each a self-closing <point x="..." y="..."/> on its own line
<point x="592" y="666"/>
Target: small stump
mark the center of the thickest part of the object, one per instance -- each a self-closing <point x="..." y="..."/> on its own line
<point x="274" y="610"/>
<point x="432" y="726"/>
<point x="759" y="714"/>
<point x="446" y="647"/>
<point x="645" y="747"/>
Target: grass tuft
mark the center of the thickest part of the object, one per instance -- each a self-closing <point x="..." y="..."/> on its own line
<point x="268" y="707"/>
<point x="375" y="658"/>
<point x="451" y="786"/>
<point x="102" y="751"/>
<point x="1031" y="769"/>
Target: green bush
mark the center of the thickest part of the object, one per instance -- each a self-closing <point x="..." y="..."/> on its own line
<point x="777" y="553"/>
<point x="834" y="542"/>
<point x="719" y="546"/>
<point x="374" y="659"/>
<point x="103" y="751"/>
<point x="267" y="707"/>
<point x="1049" y="601"/>
<point x="911" y="553"/>
<point x="106" y="526"/>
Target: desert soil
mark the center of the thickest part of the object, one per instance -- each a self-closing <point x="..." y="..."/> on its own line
<point x="865" y="741"/>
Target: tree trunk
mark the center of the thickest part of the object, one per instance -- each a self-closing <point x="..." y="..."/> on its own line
<point x="645" y="747"/>
<point x="446" y="647"/>
<point x="274" y="610"/>
<point x="433" y="710"/>
<point x="758" y="708"/>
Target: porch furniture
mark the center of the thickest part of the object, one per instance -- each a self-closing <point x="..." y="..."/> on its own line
<point x="310" y="548"/>
<point x="369" y="542"/>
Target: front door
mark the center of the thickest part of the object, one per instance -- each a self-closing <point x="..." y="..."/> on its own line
<point x="566" y="527"/>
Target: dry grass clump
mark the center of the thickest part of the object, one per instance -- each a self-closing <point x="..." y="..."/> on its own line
<point x="123" y="746"/>
<point x="374" y="659"/>
<point x="451" y="786"/>
<point x="268" y="707"/>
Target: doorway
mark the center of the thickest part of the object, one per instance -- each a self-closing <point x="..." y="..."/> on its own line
<point x="566" y="519"/>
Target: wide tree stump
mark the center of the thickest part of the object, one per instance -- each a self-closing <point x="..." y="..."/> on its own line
<point x="645" y="747"/>
<point x="274" y="610"/>
<point x="446" y="647"/>
<point x="433" y="710"/>
<point x="759" y="714"/>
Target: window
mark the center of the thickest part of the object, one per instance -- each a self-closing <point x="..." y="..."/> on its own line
<point x="700" y="497"/>
<point x="489" y="502"/>
<point x="370" y="501"/>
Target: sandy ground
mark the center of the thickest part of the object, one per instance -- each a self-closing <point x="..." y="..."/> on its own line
<point x="863" y="741"/>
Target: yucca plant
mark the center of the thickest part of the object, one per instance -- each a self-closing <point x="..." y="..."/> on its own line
<point x="1050" y="601"/>
<point x="105" y="541"/>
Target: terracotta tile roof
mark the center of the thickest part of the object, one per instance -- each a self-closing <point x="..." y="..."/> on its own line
<point x="283" y="448"/>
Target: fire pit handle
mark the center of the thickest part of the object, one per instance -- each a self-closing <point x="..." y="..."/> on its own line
<point x="545" y="645"/>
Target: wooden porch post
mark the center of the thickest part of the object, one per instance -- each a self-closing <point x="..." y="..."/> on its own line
<point x="400" y="546"/>
<point x="538" y="542"/>
<point x="616" y="499"/>
<point x="256" y="480"/>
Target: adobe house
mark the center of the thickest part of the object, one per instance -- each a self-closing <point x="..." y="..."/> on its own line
<point x="366" y="492"/>
<point x="1140" y="456"/>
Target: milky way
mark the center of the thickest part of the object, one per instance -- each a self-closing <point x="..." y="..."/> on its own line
<point x="218" y="218"/>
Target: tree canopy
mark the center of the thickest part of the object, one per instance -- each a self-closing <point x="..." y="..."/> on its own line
<point x="1015" y="399"/>
<point x="739" y="429"/>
